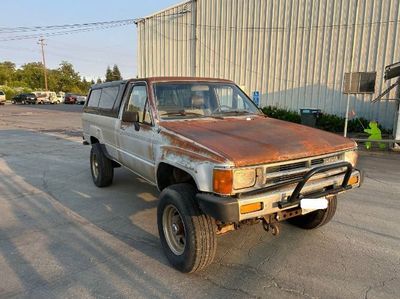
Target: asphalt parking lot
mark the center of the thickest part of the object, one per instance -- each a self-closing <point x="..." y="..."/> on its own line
<point x="60" y="236"/>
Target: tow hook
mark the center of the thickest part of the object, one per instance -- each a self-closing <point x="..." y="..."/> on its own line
<point x="269" y="223"/>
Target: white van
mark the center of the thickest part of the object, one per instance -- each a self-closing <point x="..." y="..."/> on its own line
<point x="60" y="97"/>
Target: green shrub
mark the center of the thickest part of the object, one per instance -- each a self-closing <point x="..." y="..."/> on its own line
<point x="12" y="91"/>
<point x="282" y="114"/>
<point x="327" y="122"/>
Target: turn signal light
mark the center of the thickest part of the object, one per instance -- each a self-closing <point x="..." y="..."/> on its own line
<point x="253" y="207"/>
<point x="223" y="181"/>
<point x="353" y="180"/>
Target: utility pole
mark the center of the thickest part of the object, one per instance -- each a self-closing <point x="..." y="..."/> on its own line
<point x="42" y="44"/>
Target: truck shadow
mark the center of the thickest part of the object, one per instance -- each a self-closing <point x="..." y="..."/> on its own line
<point x="49" y="219"/>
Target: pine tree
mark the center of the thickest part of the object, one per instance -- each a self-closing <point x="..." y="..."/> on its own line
<point x="116" y="73"/>
<point x="98" y="81"/>
<point x="109" y="75"/>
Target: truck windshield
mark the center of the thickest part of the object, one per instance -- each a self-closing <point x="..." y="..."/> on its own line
<point x="201" y="99"/>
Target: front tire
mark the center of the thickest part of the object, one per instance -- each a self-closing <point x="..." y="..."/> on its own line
<point x="187" y="235"/>
<point x="101" y="167"/>
<point x="317" y="218"/>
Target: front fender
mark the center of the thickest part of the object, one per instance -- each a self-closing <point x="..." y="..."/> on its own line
<point x="198" y="166"/>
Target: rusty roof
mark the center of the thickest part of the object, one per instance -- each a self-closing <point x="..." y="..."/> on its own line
<point x="177" y="79"/>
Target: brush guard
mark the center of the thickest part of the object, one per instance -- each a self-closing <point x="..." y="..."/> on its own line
<point x="296" y="197"/>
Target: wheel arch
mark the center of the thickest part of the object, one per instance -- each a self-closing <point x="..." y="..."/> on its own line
<point x="168" y="174"/>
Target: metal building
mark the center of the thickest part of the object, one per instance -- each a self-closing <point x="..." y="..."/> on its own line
<point x="294" y="52"/>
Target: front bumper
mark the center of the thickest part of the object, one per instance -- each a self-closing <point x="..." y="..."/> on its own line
<point x="316" y="183"/>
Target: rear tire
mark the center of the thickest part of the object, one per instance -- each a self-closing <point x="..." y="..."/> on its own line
<point x="187" y="235"/>
<point x="101" y="167"/>
<point x="317" y="218"/>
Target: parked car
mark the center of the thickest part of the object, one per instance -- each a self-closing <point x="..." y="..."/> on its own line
<point x="25" y="98"/>
<point x="70" y="98"/>
<point x="81" y="100"/>
<point x="218" y="161"/>
<point x="2" y="97"/>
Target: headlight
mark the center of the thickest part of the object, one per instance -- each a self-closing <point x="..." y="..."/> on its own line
<point x="351" y="157"/>
<point x="244" y="178"/>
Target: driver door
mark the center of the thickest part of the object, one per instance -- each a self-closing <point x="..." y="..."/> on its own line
<point x="136" y="139"/>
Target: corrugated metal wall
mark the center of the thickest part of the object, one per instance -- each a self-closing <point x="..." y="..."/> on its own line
<point x="295" y="52"/>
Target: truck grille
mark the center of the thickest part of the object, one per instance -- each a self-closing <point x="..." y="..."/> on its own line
<point x="296" y="170"/>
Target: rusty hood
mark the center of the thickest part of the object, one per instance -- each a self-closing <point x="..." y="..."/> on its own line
<point x="258" y="140"/>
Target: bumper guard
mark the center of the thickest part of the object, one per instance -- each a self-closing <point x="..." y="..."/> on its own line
<point x="296" y="196"/>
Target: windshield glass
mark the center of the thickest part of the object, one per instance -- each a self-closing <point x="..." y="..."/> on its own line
<point x="204" y="99"/>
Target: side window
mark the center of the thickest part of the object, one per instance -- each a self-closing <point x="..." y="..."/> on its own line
<point x="225" y="95"/>
<point x="228" y="98"/>
<point x="138" y="102"/>
<point x="94" y="98"/>
<point x="108" y="97"/>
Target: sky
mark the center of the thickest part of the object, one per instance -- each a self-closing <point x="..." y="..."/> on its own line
<point x="89" y="52"/>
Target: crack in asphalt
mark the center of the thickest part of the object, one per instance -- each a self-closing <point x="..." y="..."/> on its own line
<point x="381" y="284"/>
<point x="272" y="280"/>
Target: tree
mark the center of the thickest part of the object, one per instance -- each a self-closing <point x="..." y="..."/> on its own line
<point x="98" y="81"/>
<point x="30" y="77"/>
<point x="109" y="75"/>
<point x="7" y="70"/>
<point x="116" y="73"/>
<point x="68" y="80"/>
<point x="32" y="74"/>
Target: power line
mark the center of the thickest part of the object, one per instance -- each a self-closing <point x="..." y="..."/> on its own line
<point x="4" y="30"/>
<point x="57" y="33"/>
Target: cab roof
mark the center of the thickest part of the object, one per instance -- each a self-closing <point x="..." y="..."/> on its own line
<point x="161" y="79"/>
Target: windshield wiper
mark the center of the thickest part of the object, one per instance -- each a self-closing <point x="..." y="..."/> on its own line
<point x="233" y="112"/>
<point x="188" y="113"/>
<point x="182" y="113"/>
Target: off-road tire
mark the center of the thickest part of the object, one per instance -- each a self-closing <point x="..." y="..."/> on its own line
<point x="201" y="244"/>
<point x="105" y="172"/>
<point x="317" y="218"/>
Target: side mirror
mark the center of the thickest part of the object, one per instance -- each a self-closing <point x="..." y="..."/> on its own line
<point x="130" y="116"/>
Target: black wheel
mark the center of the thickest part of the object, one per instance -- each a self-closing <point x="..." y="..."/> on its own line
<point x="317" y="218"/>
<point x="187" y="235"/>
<point x="101" y="167"/>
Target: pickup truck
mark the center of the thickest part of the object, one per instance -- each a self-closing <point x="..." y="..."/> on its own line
<point x="219" y="162"/>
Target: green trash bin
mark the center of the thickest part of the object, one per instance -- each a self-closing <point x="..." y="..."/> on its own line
<point x="309" y="116"/>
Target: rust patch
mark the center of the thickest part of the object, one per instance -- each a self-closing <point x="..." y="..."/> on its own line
<point x="259" y="140"/>
<point x="179" y="145"/>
